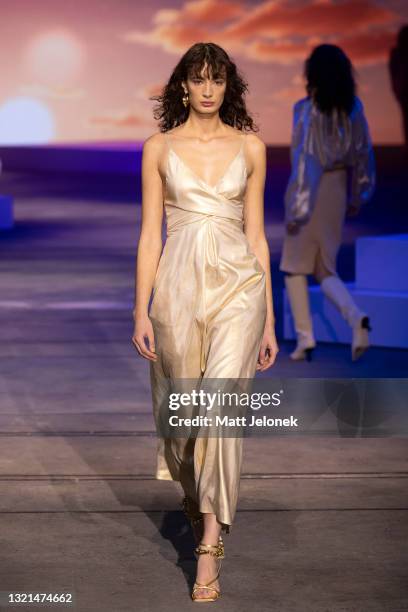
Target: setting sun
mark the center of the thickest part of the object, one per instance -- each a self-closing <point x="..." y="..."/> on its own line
<point x="25" y="121"/>
<point x="55" y="57"/>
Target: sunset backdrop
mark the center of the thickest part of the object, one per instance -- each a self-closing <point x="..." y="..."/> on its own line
<point x="83" y="71"/>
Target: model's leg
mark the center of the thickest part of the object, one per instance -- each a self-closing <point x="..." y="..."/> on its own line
<point x="298" y="294"/>
<point x="336" y="291"/>
<point x="320" y="270"/>
<point x="208" y="565"/>
<point x="176" y="369"/>
<point x="329" y="232"/>
<point x="298" y="260"/>
<point x="234" y="335"/>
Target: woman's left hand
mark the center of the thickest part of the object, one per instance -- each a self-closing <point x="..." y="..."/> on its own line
<point x="268" y="351"/>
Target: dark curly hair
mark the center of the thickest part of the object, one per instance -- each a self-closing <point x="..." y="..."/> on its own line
<point x="171" y="112"/>
<point x="330" y="78"/>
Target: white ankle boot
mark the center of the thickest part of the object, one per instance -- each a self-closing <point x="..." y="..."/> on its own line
<point x="334" y="288"/>
<point x="298" y="294"/>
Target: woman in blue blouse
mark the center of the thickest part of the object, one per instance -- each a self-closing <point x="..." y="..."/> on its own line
<point x="333" y="175"/>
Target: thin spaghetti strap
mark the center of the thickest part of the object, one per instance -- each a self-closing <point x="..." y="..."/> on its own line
<point x="168" y="151"/>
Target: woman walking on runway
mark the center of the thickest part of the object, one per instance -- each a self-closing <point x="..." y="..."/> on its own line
<point x="212" y="313"/>
<point x="330" y="143"/>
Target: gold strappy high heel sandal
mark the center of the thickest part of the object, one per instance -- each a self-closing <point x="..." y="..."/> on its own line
<point x="191" y="511"/>
<point x="215" y="551"/>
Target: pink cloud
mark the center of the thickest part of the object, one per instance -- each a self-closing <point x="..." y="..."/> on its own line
<point x="278" y="18"/>
<point x="172" y="37"/>
<point x="49" y="91"/>
<point x="274" y="31"/>
<point x="285" y="51"/>
<point x="365" y="48"/>
<point x="178" y="29"/>
<point x="368" y="47"/>
<point x="212" y="11"/>
<point x="124" y="119"/>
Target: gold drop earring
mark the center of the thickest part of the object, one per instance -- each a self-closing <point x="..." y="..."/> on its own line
<point x="185" y="99"/>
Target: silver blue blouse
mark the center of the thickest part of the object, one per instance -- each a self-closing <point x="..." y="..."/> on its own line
<point x="322" y="142"/>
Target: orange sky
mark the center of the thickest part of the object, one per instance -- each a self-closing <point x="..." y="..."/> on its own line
<point x="86" y="69"/>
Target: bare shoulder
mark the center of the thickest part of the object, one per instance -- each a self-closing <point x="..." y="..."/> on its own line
<point x="154" y="143"/>
<point x="233" y="131"/>
<point x="255" y="147"/>
<point x="175" y="130"/>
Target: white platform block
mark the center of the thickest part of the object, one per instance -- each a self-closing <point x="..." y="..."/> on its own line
<point x="6" y="212"/>
<point x="387" y="311"/>
<point x="382" y="262"/>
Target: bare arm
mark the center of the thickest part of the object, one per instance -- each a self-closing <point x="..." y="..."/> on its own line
<point x="254" y="214"/>
<point x="150" y="243"/>
<point x="254" y="229"/>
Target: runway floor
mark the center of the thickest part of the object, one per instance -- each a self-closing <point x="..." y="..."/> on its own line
<point x="322" y="522"/>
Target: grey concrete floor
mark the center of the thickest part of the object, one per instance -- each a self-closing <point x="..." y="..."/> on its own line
<point x="322" y="522"/>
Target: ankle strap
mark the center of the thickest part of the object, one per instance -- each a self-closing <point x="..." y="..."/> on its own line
<point x="209" y="549"/>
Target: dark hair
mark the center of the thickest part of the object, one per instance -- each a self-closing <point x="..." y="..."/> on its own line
<point x="402" y="40"/>
<point x="171" y="111"/>
<point x="330" y="78"/>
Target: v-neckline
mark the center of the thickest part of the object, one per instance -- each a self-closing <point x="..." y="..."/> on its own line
<point x="198" y="178"/>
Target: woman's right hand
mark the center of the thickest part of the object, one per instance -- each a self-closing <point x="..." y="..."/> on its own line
<point x="144" y="331"/>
